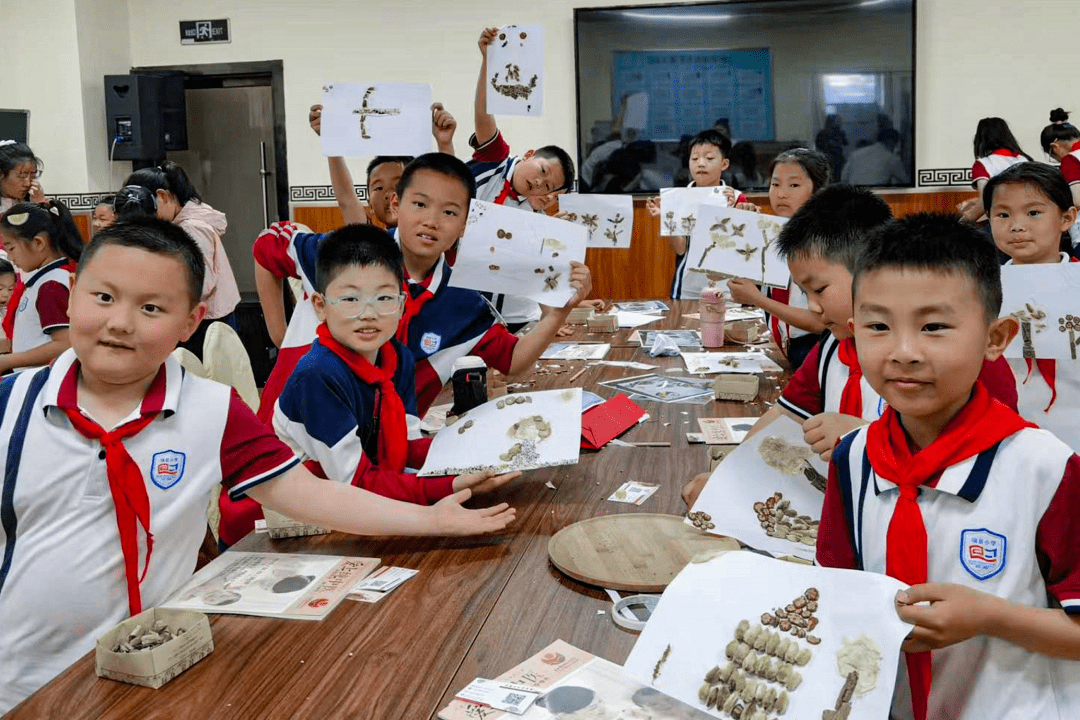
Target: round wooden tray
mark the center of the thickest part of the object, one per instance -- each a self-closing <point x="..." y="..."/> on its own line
<point x="633" y="551"/>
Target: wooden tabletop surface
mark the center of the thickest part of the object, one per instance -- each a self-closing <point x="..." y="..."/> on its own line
<point x="478" y="606"/>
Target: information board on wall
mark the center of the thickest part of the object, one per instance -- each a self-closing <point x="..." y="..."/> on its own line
<point x="690" y="90"/>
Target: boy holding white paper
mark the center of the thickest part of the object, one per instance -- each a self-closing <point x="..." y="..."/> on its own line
<point x="954" y="493"/>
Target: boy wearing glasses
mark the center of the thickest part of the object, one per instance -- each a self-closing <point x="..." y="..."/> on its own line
<point x="348" y="407"/>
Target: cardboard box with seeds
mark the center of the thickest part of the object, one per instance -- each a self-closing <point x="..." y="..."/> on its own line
<point x="154" y="666"/>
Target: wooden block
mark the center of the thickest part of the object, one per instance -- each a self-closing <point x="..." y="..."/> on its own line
<point x="580" y="315"/>
<point x="743" y="331"/>
<point x="603" y="323"/>
<point x="736" y="386"/>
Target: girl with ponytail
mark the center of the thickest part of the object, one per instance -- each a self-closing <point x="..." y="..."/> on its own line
<point x="42" y="240"/>
<point x="175" y="200"/>
<point x="1061" y="141"/>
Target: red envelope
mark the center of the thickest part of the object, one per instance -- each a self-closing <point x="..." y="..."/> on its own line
<point x="604" y="422"/>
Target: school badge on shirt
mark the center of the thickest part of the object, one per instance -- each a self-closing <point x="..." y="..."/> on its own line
<point x="167" y="468"/>
<point x="982" y="552"/>
<point x="430" y="343"/>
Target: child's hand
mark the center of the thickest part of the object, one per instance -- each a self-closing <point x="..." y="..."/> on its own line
<point x="729" y="193"/>
<point x="745" y="292"/>
<point x="956" y="613"/>
<point x="692" y="489"/>
<point x="598" y="305"/>
<point x="822" y="431"/>
<point x="564" y="331"/>
<point x="581" y="279"/>
<point x="453" y="519"/>
<point x="486" y="38"/>
<point x="747" y="206"/>
<point x="653" y="206"/>
<point x="443" y="124"/>
<point x="314" y="118"/>
<point x="484" y="481"/>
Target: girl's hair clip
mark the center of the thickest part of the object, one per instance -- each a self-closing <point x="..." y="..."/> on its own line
<point x="54" y="210"/>
<point x="7" y="142"/>
<point x="17" y="219"/>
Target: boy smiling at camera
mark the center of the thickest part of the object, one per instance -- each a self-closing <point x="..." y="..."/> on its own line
<point x="109" y="454"/>
<point x="952" y="492"/>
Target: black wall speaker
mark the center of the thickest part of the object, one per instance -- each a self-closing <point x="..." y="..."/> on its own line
<point x="133" y="109"/>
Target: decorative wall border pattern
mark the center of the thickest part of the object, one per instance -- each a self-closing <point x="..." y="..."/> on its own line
<point x="78" y="202"/>
<point x="944" y="176"/>
<point x="321" y="193"/>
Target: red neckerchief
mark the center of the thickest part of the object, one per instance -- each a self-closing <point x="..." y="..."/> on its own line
<point x="507" y="192"/>
<point x="979" y="425"/>
<point x="8" y="323"/>
<point x="393" y="431"/>
<point x="1048" y="370"/>
<point x="851" y="397"/>
<point x="128" y="490"/>
<point x="413" y="305"/>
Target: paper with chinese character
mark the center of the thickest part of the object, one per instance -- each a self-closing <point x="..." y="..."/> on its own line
<point x="608" y="218"/>
<point x="515" y="71"/>
<point x="368" y="119"/>
<point x="514" y="252"/>
<point x="738" y="243"/>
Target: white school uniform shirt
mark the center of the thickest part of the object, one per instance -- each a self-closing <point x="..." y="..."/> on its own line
<point x="62" y="581"/>
<point x="818" y="385"/>
<point x="992" y="522"/>
<point x="43" y="307"/>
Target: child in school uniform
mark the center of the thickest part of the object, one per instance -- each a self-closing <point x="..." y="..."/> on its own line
<point x="996" y="149"/>
<point x="707" y="160"/>
<point x="43" y="242"/>
<point x="350" y="405"/>
<point x="114" y="444"/>
<point x="1061" y="141"/>
<point x="828" y="395"/>
<point x="954" y="493"/>
<point x="8" y="278"/>
<point x="1030" y="213"/>
<point x="795" y="176"/>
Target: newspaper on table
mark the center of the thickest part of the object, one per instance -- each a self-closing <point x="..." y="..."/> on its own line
<point x="300" y="587"/>
<point x="727" y="605"/>
<point x="739" y="497"/>
<point x="707" y="363"/>
<point x="562" y="681"/>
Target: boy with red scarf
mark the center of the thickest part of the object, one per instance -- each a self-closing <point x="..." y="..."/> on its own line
<point x="107" y="457"/>
<point x="828" y="394"/>
<point x="954" y="493"/>
<point x="349" y="403"/>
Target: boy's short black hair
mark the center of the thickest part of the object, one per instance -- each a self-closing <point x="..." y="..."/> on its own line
<point x="709" y="137"/>
<point x="6" y="268"/>
<point x="384" y="159"/>
<point x="443" y="164"/>
<point x="554" y="152"/>
<point x="833" y="224"/>
<point x="938" y="242"/>
<point x="357" y="245"/>
<point x="154" y="236"/>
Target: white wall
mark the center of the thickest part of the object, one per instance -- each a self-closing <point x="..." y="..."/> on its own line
<point x="974" y="58"/>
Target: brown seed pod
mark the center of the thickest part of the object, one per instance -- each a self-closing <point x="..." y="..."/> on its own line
<point x="759" y="507"/>
<point x="798" y="632"/>
<point x="812" y="606"/>
<point x="785" y="625"/>
<point x="781" y="613"/>
<point x="813" y="639"/>
<point x="767" y="619"/>
<point x="811" y="622"/>
<point x="812" y="594"/>
<point x="805" y="612"/>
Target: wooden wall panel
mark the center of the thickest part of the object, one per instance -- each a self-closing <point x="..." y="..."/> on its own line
<point x="82" y="221"/>
<point x="645" y="270"/>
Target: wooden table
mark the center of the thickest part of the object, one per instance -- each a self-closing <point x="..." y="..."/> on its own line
<point x="478" y="607"/>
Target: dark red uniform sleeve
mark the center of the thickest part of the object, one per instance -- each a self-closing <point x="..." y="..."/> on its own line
<point x="497" y="348"/>
<point x="802" y="394"/>
<point x="979" y="172"/>
<point x="1070" y="168"/>
<point x="999" y="381"/>
<point x="251" y="453"/>
<point x="834" y="548"/>
<point x="495" y="149"/>
<point x="271" y="250"/>
<point x="401" y="486"/>
<point x="52" y="304"/>
<point x="1055" y="540"/>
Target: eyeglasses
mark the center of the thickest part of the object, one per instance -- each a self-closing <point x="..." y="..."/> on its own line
<point x="29" y="175"/>
<point x="352" y="306"/>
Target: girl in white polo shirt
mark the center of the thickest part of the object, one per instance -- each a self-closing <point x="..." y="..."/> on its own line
<point x="42" y="241"/>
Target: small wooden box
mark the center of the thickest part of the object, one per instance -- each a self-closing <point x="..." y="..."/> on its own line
<point x="604" y="323"/>
<point x="580" y="315"/>
<point x="279" y="526"/>
<point x="736" y="386"/>
<point x="153" y="668"/>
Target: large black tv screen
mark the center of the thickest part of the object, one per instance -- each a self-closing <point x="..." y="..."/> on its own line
<point x="836" y="75"/>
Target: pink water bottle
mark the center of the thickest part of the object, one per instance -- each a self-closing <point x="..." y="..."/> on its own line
<point x="712" y="308"/>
